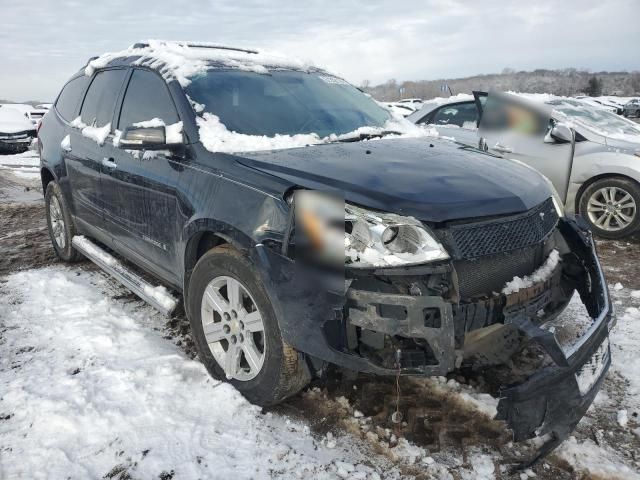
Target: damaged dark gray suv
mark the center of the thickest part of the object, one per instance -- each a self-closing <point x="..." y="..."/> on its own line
<point x="304" y="225"/>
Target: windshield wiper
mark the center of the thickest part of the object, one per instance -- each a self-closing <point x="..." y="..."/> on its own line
<point x="366" y="136"/>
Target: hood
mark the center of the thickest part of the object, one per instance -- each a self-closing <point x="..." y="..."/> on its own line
<point x="431" y="179"/>
<point x="630" y="144"/>
<point x="12" y="121"/>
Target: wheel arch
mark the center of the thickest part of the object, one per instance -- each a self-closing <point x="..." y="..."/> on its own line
<point x="46" y="177"/>
<point x="203" y="235"/>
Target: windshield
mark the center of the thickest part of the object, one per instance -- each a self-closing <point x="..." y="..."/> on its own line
<point x="284" y="102"/>
<point x="600" y="121"/>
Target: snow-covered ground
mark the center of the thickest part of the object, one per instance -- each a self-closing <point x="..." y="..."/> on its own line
<point x="24" y="165"/>
<point x="90" y="386"/>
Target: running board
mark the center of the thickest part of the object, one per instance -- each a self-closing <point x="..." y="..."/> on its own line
<point x="158" y="297"/>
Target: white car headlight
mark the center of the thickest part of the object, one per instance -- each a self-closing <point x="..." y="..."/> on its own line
<point x="375" y="239"/>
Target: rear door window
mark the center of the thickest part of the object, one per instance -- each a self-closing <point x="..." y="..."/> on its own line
<point x="146" y="98"/>
<point x="70" y="96"/>
<point x="99" y="103"/>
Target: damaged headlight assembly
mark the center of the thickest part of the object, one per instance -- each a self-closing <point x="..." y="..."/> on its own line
<point x="373" y="239"/>
<point x="347" y="235"/>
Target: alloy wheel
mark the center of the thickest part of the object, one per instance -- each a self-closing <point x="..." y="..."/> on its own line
<point x="57" y="223"/>
<point x="233" y="328"/>
<point x="611" y="209"/>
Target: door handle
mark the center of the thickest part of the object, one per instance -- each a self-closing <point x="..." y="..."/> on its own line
<point x="109" y="163"/>
<point x="501" y="148"/>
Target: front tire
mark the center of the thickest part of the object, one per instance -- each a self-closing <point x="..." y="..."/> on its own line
<point x="236" y="331"/>
<point x="611" y="205"/>
<point x="60" y="224"/>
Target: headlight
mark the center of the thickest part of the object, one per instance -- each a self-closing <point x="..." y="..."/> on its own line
<point x="329" y="231"/>
<point x="374" y="239"/>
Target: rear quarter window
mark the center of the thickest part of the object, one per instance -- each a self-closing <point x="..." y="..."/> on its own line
<point x="70" y="96"/>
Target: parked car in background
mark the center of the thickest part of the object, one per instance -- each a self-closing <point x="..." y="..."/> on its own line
<point x="398" y="109"/>
<point x="413" y="103"/>
<point x="594" y="164"/>
<point x="632" y="108"/>
<point x="16" y="131"/>
<point x="44" y="106"/>
<point x="600" y="104"/>
<point x="33" y="114"/>
<point x="222" y="181"/>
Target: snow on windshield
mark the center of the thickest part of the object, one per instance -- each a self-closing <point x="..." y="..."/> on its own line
<point x="597" y="120"/>
<point x="217" y="138"/>
<point x="241" y="112"/>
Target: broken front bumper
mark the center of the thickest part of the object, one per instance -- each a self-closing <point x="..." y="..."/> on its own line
<point x="551" y="402"/>
<point x="316" y="314"/>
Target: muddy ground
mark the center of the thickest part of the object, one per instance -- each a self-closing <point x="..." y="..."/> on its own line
<point x="433" y="416"/>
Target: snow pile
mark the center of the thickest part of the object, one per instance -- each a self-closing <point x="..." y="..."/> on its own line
<point x="592" y="460"/>
<point x="622" y="418"/>
<point x="161" y="295"/>
<point x="91" y="387"/>
<point x="97" y="134"/>
<point x="542" y="274"/>
<point x="483" y="402"/>
<point x="177" y="61"/>
<point x="173" y="132"/>
<point x="215" y="136"/>
<point x="65" y="144"/>
<point x="460" y="97"/>
<point x="482" y="468"/>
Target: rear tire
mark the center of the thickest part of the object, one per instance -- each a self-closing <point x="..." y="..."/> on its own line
<point x="282" y="371"/>
<point x="60" y="224"/>
<point x="611" y="206"/>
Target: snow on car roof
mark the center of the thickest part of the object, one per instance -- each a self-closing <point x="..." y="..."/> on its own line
<point x="182" y="60"/>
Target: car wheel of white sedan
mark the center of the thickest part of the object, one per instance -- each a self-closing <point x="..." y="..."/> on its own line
<point x="611" y="205"/>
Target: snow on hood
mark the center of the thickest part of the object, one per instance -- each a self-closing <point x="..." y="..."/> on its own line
<point x="13" y="121"/>
<point x="179" y="61"/>
<point x="215" y="136"/>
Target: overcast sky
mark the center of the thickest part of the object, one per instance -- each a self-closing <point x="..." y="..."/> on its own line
<point x="44" y="41"/>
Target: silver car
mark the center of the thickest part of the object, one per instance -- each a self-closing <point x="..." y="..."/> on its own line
<point x="632" y="108"/>
<point x="591" y="156"/>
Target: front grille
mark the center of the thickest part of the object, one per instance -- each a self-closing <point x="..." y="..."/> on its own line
<point x="478" y="239"/>
<point x="490" y="273"/>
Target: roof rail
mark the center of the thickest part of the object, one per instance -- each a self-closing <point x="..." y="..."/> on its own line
<point x="199" y="45"/>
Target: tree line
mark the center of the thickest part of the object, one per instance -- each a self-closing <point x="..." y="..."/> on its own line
<point x="565" y="82"/>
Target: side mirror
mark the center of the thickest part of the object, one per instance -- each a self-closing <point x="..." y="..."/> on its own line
<point x="146" y="138"/>
<point x="559" y="133"/>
